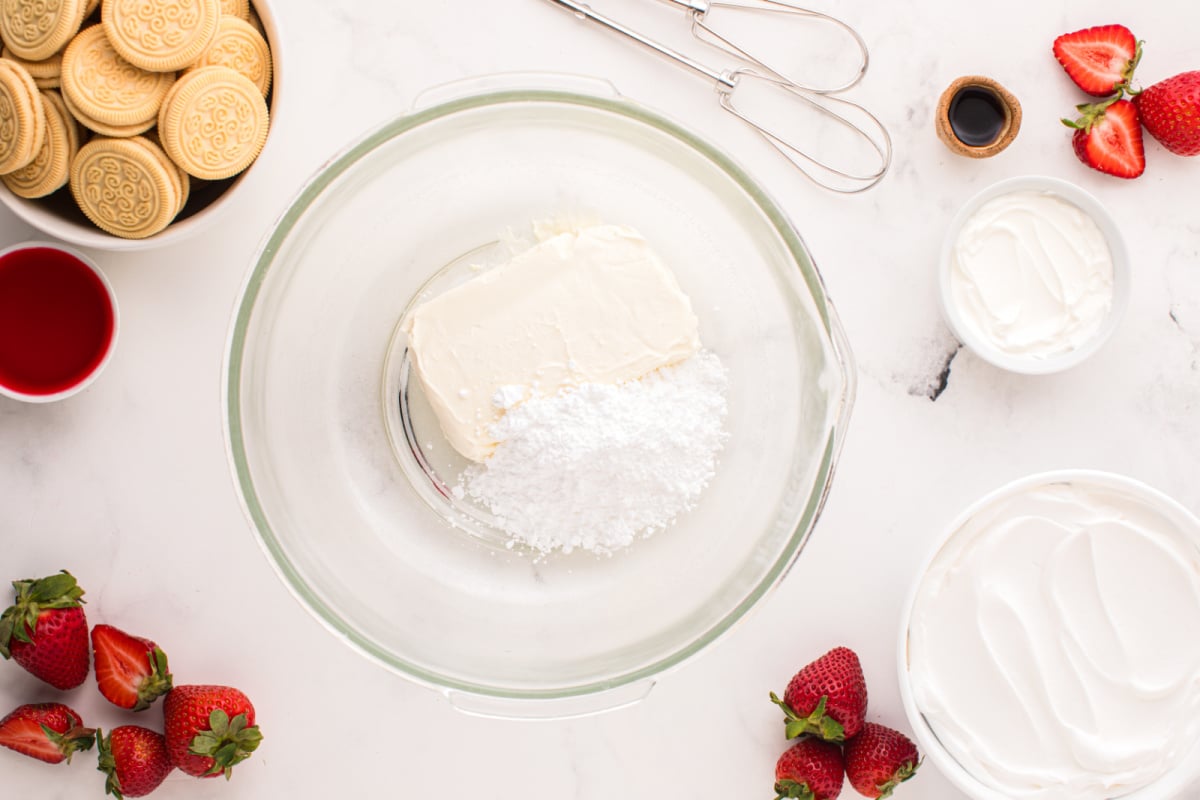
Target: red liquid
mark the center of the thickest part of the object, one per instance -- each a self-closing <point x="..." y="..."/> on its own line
<point x="56" y="321"/>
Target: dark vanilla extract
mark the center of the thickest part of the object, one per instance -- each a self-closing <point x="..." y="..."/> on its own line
<point x="977" y="116"/>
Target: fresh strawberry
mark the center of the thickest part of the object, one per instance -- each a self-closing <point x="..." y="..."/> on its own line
<point x="49" y="732"/>
<point x="45" y="630"/>
<point x="209" y="729"/>
<point x="879" y="759"/>
<point x="131" y="672"/>
<point x="827" y="698"/>
<point x="1170" y="110"/>
<point x="1108" y="138"/>
<point x="811" y="769"/>
<point x="135" y="760"/>
<point x="1100" y="60"/>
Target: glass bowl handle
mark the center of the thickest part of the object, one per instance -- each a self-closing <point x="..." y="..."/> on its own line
<point x="557" y="708"/>
<point x="469" y="87"/>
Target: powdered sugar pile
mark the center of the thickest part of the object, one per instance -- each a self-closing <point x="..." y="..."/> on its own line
<point x="595" y="466"/>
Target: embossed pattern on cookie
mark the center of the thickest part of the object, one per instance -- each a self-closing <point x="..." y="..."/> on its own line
<point x="22" y="117"/>
<point x="50" y="168"/>
<point x="106" y="87"/>
<point x="213" y="123"/>
<point x="160" y="36"/>
<point x="37" y="29"/>
<point x="240" y="47"/>
<point x="123" y="188"/>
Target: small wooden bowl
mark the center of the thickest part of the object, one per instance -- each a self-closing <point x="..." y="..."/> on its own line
<point x="1008" y="131"/>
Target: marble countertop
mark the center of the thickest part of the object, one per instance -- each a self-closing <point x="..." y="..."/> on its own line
<point x="127" y="484"/>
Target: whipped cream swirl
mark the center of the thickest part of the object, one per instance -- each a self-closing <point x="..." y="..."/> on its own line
<point x="1054" y="643"/>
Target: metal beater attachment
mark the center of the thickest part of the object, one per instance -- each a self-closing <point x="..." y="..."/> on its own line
<point x="781" y="112"/>
<point x="722" y="25"/>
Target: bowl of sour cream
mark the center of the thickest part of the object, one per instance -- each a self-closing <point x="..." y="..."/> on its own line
<point x="1050" y="649"/>
<point x="1034" y="275"/>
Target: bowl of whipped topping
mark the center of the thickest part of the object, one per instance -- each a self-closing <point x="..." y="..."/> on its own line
<point x="1050" y="649"/>
<point x="1034" y="275"/>
<point x="532" y="394"/>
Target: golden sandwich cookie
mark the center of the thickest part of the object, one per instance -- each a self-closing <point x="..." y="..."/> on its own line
<point x="37" y="30"/>
<point x="45" y="72"/>
<point x="179" y="179"/>
<point x="51" y="167"/>
<point x="213" y="123"/>
<point x="106" y="87"/>
<point x="22" y="117"/>
<point x="161" y="36"/>
<point x="124" y="187"/>
<point x="242" y="48"/>
<point x="114" y="131"/>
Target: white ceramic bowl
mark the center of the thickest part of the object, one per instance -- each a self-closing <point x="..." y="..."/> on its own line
<point x="58" y="216"/>
<point x="1033" y="365"/>
<point x="1182" y="783"/>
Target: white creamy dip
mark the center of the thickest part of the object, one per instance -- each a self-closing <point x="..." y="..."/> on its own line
<point x="1032" y="274"/>
<point x="595" y="305"/>
<point x="1054" y="643"/>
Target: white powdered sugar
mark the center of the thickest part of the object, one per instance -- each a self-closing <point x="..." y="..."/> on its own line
<point x="598" y="465"/>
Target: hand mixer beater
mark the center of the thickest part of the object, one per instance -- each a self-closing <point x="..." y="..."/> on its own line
<point x="777" y="107"/>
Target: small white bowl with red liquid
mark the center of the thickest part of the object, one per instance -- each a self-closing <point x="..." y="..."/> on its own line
<point x="58" y="322"/>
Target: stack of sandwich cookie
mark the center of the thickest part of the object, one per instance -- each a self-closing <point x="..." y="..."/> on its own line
<point x="22" y="118"/>
<point x="167" y="97"/>
<point x="51" y="167"/>
<point x="45" y="72"/>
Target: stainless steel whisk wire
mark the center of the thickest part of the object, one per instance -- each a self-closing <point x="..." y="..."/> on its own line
<point x="703" y="30"/>
<point x="727" y="81"/>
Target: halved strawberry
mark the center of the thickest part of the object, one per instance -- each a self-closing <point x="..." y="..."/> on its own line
<point x="1100" y="60"/>
<point x="49" y="732"/>
<point x="131" y="672"/>
<point x="1108" y="138"/>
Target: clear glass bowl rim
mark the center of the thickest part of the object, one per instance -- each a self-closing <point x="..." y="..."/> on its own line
<point x="843" y="396"/>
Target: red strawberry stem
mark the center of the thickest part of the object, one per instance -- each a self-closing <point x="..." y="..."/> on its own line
<point x="228" y="742"/>
<point x="817" y="722"/>
<point x="34" y="596"/>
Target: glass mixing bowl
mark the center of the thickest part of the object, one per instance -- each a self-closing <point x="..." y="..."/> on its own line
<point x="344" y="477"/>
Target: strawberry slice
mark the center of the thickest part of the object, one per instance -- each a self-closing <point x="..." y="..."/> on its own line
<point x="1100" y="60"/>
<point x="1108" y="138"/>
<point x="49" y="732"/>
<point x="131" y="672"/>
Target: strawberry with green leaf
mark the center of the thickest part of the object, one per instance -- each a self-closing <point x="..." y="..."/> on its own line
<point x="209" y="729"/>
<point x="46" y="631"/>
<point x="879" y="759"/>
<point x="1100" y="60"/>
<point x="49" y="732"/>
<point x="131" y="672"/>
<point x="811" y="769"/>
<point x="134" y="759"/>
<point x="827" y="698"/>
<point x="1108" y="138"/>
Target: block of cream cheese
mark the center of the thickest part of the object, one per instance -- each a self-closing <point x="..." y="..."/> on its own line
<point x="595" y="305"/>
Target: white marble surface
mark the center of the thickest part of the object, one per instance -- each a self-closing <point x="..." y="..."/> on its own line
<point x="127" y="484"/>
